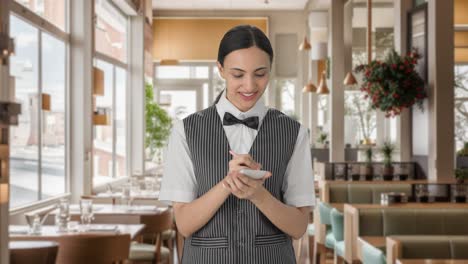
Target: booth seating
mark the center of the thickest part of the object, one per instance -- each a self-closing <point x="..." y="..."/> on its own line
<point x="427" y="247"/>
<point x="390" y="221"/>
<point x="340" y="193"/>
<point x="360" y="193"/>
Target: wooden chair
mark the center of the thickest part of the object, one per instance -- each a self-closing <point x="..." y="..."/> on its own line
<point x="99" y="248"/>
<point x="155" y="252"/>
<point x="42" y="252"/>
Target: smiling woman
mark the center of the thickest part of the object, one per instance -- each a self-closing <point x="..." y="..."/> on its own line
<point x="208" y="149"/>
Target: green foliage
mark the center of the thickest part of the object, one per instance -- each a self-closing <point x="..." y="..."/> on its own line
<point x="461" y="174"/>
<point x="393" y="84"/>
<point x="464" y="151"/>
<point x="387" y="150"/>
<point x="369" y="155"/>
<point x="322" y="138"/>
<point x="158" y="122"/>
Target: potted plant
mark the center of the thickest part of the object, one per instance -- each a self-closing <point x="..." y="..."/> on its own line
<point x="367" y="169"/>
<point x="394" y="83"/>
<point x="461" y="174"/>
<point x="158" y="124"/>
<point x="322" y="139"/>
<point x="387" y="151"/>
<point x="462" y="157"/>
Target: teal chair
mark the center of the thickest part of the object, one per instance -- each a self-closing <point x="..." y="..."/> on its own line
<point x="372" y="255"/>
<point x="337" y="225"/>
<point x="325" y="210"/>
<point x="311" y="236"/>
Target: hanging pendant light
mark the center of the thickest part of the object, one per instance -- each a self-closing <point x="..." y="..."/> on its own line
<point x="323" y="88"/>
<point x="309" y="88"/>
<point x="350" y="79"/>
<point x="305" y="45"/>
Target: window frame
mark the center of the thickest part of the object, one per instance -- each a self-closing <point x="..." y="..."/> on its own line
<point x="461" y="64"/>
<point x="42" y="25"/>
<point x="114" y="62"/>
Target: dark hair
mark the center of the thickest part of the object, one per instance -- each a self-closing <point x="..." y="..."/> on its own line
<point x="243" y="37"/>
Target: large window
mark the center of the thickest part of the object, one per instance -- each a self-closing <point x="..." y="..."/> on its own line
<point x="461" y="105"/>
<point x="38" y="144"/>
<point x="110" y="138"/>
<point x="286" y="89"/>
<point x="110" y="30"/>
<point x="52" y="10"/>
<point x="361" y="121"/>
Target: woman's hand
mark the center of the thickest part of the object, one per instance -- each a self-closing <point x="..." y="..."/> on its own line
<point x="244" y="187"/>
<point x="242" y="161"/>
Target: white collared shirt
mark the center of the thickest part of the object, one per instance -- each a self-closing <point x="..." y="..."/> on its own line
<point x="179" y="183"/>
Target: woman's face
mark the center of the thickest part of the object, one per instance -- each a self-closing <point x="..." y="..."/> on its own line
<point x="247" y="72"/>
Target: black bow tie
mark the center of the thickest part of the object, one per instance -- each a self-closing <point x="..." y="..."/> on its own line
<point x="251" y="122"/>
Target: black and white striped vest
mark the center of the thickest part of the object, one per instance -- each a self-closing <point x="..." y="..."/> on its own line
<point x="239" y="232"/>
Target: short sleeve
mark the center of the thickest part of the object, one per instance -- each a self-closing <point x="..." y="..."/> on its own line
<point x="178" y="183"/>
<point x="298" y="185"/>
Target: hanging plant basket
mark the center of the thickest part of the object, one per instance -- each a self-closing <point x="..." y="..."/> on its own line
<point x="393" y="84"/>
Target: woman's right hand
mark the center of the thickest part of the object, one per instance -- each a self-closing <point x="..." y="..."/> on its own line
<point x="243" y="161"/>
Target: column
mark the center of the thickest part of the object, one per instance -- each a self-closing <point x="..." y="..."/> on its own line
<point x="336" y="45"/>
<point x="441" y="89"/>
<point x="401" y="8"/>
<point x="137" y="95"/>
<point x="81" y="85"/>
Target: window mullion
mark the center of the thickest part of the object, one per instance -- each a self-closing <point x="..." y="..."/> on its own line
<point x="39" y="115"/>
<point x="114" y="129"/>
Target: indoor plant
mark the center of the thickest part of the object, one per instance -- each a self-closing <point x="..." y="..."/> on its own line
<point x="322" y="139"/>
<point x="461" y="174"/>
<point x="387" y="151"/>
<point x="393" y="84"/>
<point x="367" y="169"/>
<point x="462" y="156"/>
<point x="158" y="123"/>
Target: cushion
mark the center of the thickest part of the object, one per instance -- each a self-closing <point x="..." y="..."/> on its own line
<point x="140" y="251"/>
<point x="337" y="223"/>
<point x="459" y="247"/>
<point x="425" y="247"/>
<point x="338" y="193"/>
<point x="330" y="240"/>
<point x="360" y="193"/>
<point x="455" y="222"/>
<point x="370" y="223"/>
<point x="324" y="211"/>
<point x="340" y="248"/>
<point x="168" y="235"/>
<point x="311" y="229"/>
<point x="372" y="255"/>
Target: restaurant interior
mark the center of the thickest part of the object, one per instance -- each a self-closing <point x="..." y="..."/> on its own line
<point x="90" y="90"/>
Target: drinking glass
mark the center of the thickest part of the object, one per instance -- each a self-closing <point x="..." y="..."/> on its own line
<point x="63" y="215"/>
<point x="86" y="212"/>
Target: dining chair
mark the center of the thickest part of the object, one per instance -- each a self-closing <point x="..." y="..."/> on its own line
<point x="154" y="252"/>
<point x="98" y="248"/>
<point x="42" y="252"/>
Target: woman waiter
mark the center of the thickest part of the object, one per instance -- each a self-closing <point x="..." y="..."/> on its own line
<point x="225" y="216"/>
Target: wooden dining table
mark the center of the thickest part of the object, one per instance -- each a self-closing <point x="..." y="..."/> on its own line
<point x="21" y="232"/>
<point x="117" y="214"/>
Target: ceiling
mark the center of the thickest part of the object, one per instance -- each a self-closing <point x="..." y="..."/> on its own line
<point x="229" y="4"/>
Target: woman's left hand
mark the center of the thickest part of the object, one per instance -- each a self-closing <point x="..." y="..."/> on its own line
<point x="244" y="187"/>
